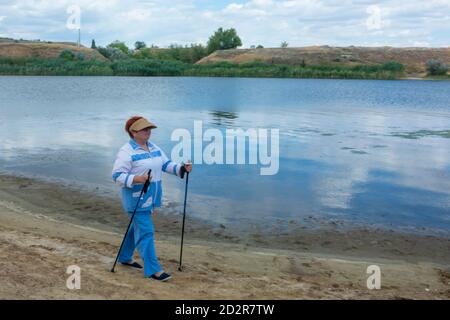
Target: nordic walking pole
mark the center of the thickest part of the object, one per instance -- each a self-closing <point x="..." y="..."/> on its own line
<point x="144" y="190"/>
<point x="184" y="218"/>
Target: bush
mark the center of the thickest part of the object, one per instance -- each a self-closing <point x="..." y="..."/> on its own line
<point x="393" y="66"/>
<point x="436" y="67"/>
<point x="67" y="54"/>
<point x="119" y="45"/>
<point x="148" y="67"/>
<point x="112" y="53"/>
<point x="80" y="56"/>
<point x="54" y="67"/>
<point x="103" y="51"/>
<point x="187" y="54"/>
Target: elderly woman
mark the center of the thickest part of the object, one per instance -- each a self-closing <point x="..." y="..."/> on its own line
<point x="132" y="164"/>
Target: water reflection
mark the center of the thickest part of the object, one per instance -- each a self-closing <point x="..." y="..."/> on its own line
<point x="368" y="151"/>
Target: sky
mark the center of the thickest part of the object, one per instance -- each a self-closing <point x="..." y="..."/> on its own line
<point x="396" y="23"/>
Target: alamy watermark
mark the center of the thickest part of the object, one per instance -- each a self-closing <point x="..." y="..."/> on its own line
<point x="73" y="282"/>
<point x="374" y="280"/>
<point x="376" y="20"/>
<point x="74" y="20"/>
<point x="253" y="146"/>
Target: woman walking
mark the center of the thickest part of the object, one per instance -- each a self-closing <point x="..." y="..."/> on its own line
<point x="132" y="164"/>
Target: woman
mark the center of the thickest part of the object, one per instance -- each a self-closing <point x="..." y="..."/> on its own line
<point x="130" y="170"/>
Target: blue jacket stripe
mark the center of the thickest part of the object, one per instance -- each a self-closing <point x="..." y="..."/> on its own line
<point x="164" y="167"/>
<point x="140" y="156"/>
<point x="143" y="156"/>
<point x="155" y="154"/>
<point x="116" y="175"/>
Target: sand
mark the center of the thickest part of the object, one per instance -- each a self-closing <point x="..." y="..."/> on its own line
<point x="44" y="228"/>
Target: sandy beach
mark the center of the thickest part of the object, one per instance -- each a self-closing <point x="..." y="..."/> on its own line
<point x="44" y="228"/>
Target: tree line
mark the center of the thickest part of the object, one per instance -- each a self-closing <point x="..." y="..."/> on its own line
<point x="178" y="60"/>
<point x="220" y="40"/>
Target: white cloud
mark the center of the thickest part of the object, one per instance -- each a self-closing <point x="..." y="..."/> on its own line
<point x="266" y="22"/>
<point x="233" y="8"/>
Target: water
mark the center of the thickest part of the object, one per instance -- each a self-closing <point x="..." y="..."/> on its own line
<point x="366" y="152"/>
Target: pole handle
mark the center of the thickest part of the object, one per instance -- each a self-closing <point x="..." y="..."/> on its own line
<point x="147" y="182"/>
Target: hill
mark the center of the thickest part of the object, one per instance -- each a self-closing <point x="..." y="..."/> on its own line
<point x="42" y="49"/>
<point x="413" y="59"/>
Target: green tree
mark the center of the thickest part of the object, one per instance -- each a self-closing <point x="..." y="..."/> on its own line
<point x="93" y="46"/>
<point x="119" y="45"/>
<point x="436" y="67"/>
<point x="284" y="44"/>
<point x="259" y="46"/>
<point x="139" y="45"/>
<point x="223" y="39"/>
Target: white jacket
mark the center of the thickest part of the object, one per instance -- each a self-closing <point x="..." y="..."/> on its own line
<point x="133" y="160"/>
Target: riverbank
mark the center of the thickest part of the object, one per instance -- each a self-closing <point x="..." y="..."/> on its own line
<point x="45" y="228"/>
<point x="154" y="67"/>
<point x="29" y="57"/>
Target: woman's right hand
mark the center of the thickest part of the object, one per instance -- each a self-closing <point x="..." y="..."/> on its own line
<point x="141" y="179"/>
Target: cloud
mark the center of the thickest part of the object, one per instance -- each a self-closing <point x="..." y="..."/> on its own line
<point x="266" y="22"/>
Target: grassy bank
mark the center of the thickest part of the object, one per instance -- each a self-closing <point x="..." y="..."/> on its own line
<point x="444" y="77"/>
<point x="154" y="67"/>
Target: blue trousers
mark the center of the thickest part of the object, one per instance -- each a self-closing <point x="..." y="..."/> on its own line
<point x="140" y="237"/>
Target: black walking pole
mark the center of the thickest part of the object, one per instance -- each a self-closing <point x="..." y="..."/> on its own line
<point x="144" y="190"/>
<point x="184" y="218"/>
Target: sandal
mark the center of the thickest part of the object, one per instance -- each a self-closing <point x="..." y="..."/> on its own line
<point x="163" y="277"/>
<point x="134" y="265"/>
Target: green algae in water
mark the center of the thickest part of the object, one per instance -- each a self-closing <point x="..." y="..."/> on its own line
<point x="379" y="146"/>
<point x="422" y="133"/>
<point x="358" y="152"/>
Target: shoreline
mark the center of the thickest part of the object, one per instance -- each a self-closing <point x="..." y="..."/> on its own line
<point x="68" y="203"/>
<point x="403" y="78"/>
<point x="51" y="225"/>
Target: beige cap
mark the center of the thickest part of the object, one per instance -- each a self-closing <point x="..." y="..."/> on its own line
<point x="142" y="124"/>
